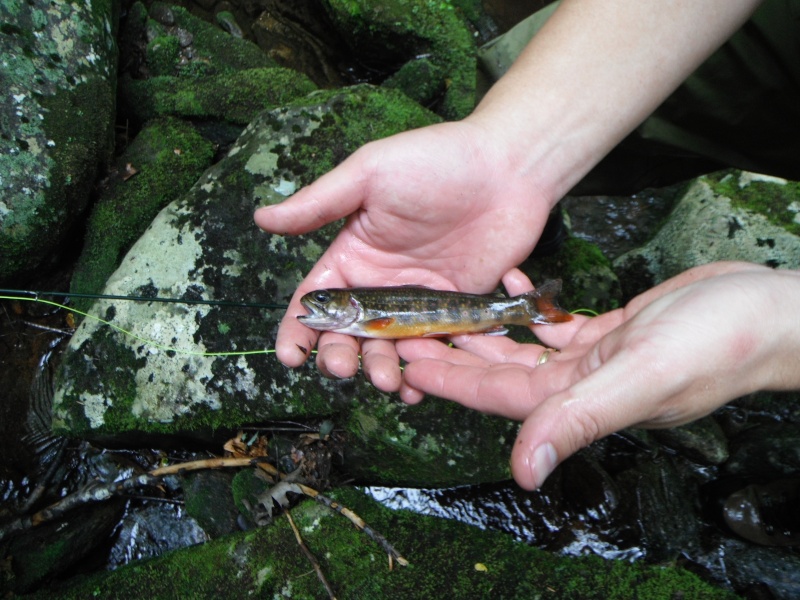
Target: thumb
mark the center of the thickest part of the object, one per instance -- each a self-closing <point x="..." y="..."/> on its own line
<point x="607" y="400"/>
<point x="335" y="195"/>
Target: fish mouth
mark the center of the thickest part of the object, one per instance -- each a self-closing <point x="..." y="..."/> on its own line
<point x="316" y="318"/>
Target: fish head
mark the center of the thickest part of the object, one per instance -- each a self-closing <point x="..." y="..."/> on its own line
<point x="329" y="310"/>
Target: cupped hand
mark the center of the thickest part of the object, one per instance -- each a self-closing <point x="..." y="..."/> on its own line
<point x="672" y="355"/>
<point x="442" y="206"/>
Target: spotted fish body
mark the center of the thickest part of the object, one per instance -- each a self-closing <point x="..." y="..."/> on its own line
<point x="412" y="311"/>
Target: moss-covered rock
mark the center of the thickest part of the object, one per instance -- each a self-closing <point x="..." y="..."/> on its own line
<point x="588" y="281"/>
<point x="56" y="117"/>
<point x="165" y="369"/>
<point x="203" y="49"/>
<point x="447" y="560"/>
<point x="404" y="30"/>
<point x="732" y="215"/>
<point x="192" y="69"/>
<point x="164" y="160"/>
<point x="235" y="97"/>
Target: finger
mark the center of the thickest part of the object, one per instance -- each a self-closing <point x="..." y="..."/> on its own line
<point x="337" y="355"/>
<point x="480" y="388"/>
<point x="516" y="282"/>
<point x="295" y="341"/>
<point x="618" y="394"/>
<point x="415" y="349"/>
<point x="381" y="364"/>
<point x="498" y="350"/>
<point x="336" y="194"/>
<point x="410" y="395"/>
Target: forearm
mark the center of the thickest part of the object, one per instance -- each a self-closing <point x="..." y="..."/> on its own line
<point x="595" y="71"/>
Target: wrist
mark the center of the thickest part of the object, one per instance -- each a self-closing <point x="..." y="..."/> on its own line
<point x="780" y="369"/>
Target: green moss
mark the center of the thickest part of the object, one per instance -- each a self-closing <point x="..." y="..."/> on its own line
<point x="587" y="276"/>
<point x="396" y="444"/>
<point x="778" y="202"/>
<point x="442" y="555"/>
<point x="357" y="115"/>
<point x="421" y="80"/>
<point x="404" y="29"/>
<point x="169" y="156"/>
<point x="163" y="55"/>
<point x="112" y="366"/>
<point x="232" y="97"/>
<point x="216" y="51"/>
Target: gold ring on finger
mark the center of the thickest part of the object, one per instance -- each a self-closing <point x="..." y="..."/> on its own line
<point x="545" y="356"/>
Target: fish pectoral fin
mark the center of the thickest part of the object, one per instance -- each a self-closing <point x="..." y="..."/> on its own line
<point x="378" y="324"/>
<point x="499" y="330"/>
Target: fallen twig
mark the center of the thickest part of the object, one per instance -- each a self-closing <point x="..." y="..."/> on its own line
<point x="312" y="559"/>
<point x="358" y="522"/>
<point x="97" y="491"/>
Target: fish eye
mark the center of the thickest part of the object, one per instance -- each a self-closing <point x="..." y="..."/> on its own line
<point x="322" y="296"/>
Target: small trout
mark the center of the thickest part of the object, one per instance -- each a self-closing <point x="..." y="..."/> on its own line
<point x="414" y="311"/>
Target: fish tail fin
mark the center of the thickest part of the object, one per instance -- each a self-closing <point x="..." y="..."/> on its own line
<point x="544" y="308"/>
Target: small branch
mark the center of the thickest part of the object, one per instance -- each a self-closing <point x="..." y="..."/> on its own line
<point x="310" y="556"/>
<point x="93" y="492"/>
<point x="97" y="491"/>
<point x="213" y="463"/>
<point x="358" y="522"/>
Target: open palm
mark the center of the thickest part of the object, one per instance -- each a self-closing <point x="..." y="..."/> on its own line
<point x="421" y="210"/>
<point x="672" y="355"/>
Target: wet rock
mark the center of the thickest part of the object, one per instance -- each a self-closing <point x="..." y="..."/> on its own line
<point x="766" y="513"/>
<point x="665" y="506"/>
<point x="53" y="549"/>
<point x="209" y="501"/>
<point x="159" y="376"/>
<point x="298" y="36"/>
<point x="151" y="530"/>
<point x="765" y="450"/>
<point x="57" y="102"/>
<point x="732" y="215"/>
<point x="618" y="224"/>
<point x="702" y="441"/>
<point x="746" y="566"/>
<point x="164" y="160"/>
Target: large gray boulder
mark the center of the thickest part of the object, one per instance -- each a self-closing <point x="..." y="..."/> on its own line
<point x="57" y="87"/>
<point x="731" y="215"/>
<point x="156" y="371"/>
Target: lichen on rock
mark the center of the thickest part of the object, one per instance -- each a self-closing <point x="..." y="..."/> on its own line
<point x="57" y="85"/>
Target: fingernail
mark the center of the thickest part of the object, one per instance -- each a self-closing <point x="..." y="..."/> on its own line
<point x="544" y="461"/>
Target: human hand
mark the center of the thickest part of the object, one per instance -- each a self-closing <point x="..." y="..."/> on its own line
<point x="442" y="206"/>
<point x="672" y="355"/>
